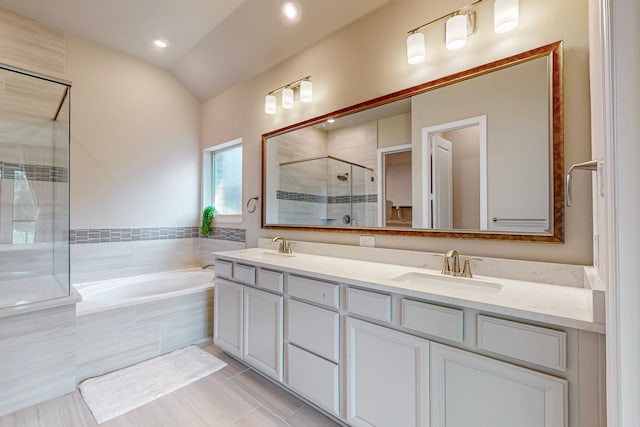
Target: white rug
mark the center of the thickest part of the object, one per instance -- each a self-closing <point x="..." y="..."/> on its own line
<point x="118" y="392"/>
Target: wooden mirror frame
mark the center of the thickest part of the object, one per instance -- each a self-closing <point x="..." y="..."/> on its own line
<point x="554" y="52"/>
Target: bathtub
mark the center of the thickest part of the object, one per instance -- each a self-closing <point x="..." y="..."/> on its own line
<point x="105" y="294"/>
<point x="125" y="321"/>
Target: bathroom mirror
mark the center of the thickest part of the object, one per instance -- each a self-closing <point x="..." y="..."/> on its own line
<point x="477" y="154"/>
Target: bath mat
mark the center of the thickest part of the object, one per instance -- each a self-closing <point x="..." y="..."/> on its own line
<point x="121" y="391"/>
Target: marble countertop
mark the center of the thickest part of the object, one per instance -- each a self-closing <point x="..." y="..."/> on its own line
<point x="565" y="306"/>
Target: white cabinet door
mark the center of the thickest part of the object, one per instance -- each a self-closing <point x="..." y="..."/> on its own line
<point x="387" y="377"/>
<point x="472" y="390"/>
<point x="263" y="341"/>
<point x="227" y="316"/>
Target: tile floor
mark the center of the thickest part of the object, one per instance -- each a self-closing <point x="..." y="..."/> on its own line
<point x="233" y="396"/>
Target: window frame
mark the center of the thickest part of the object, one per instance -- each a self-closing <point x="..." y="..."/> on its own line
<point x="207" y="184"/>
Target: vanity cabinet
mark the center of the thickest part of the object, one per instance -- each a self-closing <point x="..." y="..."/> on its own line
<point x="387" y="374"/>
<point x="373" y="357"/>
<point x="467" y="389"/>
<point x="248" y="323"/>
<point x="227" y="316"/>
<point x="262" y="331"/>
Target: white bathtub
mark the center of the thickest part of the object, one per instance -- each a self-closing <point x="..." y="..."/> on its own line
<point x="112" y="293"/>
<point x="121" y="322"/>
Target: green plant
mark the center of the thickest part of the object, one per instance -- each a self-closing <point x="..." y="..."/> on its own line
<point x="207" y="218"/>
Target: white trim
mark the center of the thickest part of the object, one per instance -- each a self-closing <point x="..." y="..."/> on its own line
<point x="207" y="171"/>
<point x="480" y="121"/>
<point x="621" y="66"/>
<point x="225" y="145"/>
<point x="382" y="197"/>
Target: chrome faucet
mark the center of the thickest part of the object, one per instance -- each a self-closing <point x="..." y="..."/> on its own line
<point x="284" y="247"/>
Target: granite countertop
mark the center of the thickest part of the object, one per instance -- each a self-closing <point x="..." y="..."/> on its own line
<point x="565" y="306"/>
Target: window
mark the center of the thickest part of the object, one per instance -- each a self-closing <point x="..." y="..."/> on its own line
<point x="223" y="180"/>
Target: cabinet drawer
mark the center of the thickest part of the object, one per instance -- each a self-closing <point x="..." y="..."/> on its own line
<point x="533" y="344"/>
<point x="314" y="329"/>
<point x="369" y="304"/>
<point x="314" y="378"/>
<point x="223" y="268"/>
<point x="443" y="322"/>
<point x="316" y="291"/>
<point x="245" y="274"/>
<point x="271" y="280"/>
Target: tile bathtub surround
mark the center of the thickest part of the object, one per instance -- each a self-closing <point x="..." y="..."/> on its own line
<point x="99" y="261"/>
<point x="38" y="357"/>
<point x="110" y="235"/>
<point x="208" y="247"/>
<point x="230" y="234"/>
<point x="112" y="339"/>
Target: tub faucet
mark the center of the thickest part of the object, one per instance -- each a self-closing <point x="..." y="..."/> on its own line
<point x="207" y="266"/>
<point x="284" y="247"/>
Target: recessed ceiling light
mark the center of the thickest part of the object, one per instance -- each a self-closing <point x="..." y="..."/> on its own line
<point x="291" y="10"/>
<point x="331" y="120"/>
<point x="160" y="43"/>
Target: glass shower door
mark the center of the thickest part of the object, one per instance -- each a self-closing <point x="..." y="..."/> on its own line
<point x="34" y="188"/>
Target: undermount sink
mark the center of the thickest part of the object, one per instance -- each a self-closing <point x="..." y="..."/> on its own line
<point x="269" y="254"/>
<point x="442" y="281"/>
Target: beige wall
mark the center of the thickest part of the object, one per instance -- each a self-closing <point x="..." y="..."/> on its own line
<point x="134" y="142"/>
<point x="368" y="59"/>
<point x="512" y="100"/>
<point x="466" y="172"/>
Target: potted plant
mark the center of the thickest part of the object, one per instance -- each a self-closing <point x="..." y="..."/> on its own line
<point x="207" y="219"/>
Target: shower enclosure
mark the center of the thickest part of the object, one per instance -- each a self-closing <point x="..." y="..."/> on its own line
<point x="326" y="191"/>
<point x="34" y="187"/>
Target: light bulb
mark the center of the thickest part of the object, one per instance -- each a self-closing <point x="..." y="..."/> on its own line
<point x="287" y="98"/>
<point x="456" y="32"/>
<point x="506" y="15"/>
<point x="415" y="48"/>
<point x="160" y="43"/>
<point x="270" y="104"/>
<point x="291" y="11"/>
<point x="306" y="91"/>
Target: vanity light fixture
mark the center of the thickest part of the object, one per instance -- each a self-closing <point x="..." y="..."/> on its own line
<point x="506" y="15"/>
<point x="460" y="24"/>
<point x="305" y="87"/>
<point x="287" y="98"/>
<point x="456" y="32"/>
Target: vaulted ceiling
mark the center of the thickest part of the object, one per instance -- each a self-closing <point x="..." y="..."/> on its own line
<point x="213" y="44"/>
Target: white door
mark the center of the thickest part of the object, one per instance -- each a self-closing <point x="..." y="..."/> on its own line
<point x="472" y="390"/>
<point x="387" y="377"/>
<point x="227" y="316"/>
<point x="442" y="183"/>
<point x="263" y="324"/>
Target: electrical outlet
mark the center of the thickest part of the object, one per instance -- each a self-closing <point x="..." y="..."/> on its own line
<point x="369" y="241"/>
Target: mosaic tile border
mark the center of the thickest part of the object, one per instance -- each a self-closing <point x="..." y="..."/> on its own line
<point x="300" y="197"/>
<point x="34" y="172"/>
<point x="314" y="198"/>
<point x="230" y="234"/>
<point x="112" y="235"/>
